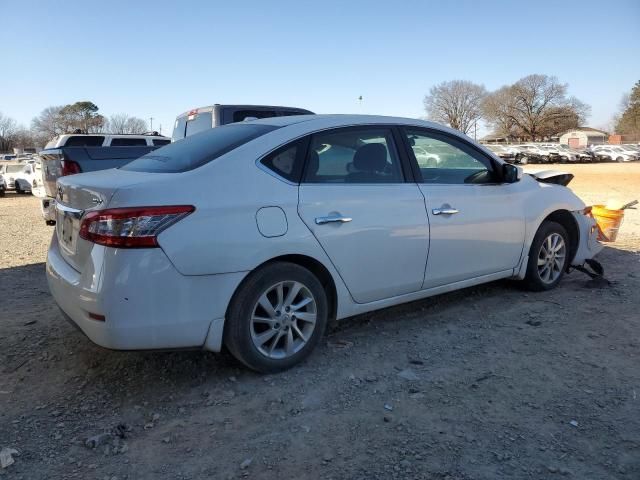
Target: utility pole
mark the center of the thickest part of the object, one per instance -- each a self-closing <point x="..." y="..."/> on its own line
<point x="151" y="122"/>
<point x="475" y="130"/>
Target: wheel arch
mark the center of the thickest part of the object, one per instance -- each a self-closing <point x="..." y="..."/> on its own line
<point x="314" y="266"/>
<point x="567" y="220"/>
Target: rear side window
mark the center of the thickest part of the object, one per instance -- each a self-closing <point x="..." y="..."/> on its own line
<point x="287" y="161"/>
<point x="84" y="141"/>
<point x="128" y="142"/>
<point x="242" y="115"/>
<point x="157" y="141"/>
<point x="198" y="150"/>
<point x="179" y="128"/>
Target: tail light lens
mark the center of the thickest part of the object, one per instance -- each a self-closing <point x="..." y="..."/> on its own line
<point x="69" y="167"/>
<point x="136" y="227"/>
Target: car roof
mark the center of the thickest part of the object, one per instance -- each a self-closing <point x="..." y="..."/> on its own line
<point x="339" y="120"/>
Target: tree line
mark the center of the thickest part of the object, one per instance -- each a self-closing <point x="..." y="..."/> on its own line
<point x="83" y="117"/>
<point x="533" y="108"/>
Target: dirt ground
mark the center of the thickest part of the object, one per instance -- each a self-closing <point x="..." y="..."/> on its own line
<point x="486" y="383"/>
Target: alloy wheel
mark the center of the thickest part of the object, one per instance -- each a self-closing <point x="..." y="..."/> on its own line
<point x="551" y="258"/>
<point x="283" y="319"/>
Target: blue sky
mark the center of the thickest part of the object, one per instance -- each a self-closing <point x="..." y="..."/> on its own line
<point x="158" y="59"/>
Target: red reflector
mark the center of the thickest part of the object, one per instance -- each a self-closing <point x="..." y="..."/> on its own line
<point x="69" y="167"/>
<point x="136" y="227"/>
<point x="96" y="316"/>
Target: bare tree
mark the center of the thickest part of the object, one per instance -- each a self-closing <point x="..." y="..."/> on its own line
<point x="457" y="103"/>
<point x="50" y="123"/>
<point x="8" y="128"/>
<point x="123" y="123"/>
<point x="535" y="106"/>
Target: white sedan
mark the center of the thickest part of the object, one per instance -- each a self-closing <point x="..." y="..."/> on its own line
<point x="279" y="225"/>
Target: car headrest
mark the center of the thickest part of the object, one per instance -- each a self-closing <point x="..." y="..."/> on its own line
<point x="371" y="157"/>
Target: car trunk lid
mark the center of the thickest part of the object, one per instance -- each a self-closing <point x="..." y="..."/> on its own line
<point x="77" y="194"/>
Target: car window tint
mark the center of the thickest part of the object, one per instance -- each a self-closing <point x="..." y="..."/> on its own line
<point x="84" y="141"/>
<point x="128" y="142"/>
<point x="440" y="161"/>
<point x="157" y="141"/>
<point x="286" y="161"/>
<point x="353" y="156"/>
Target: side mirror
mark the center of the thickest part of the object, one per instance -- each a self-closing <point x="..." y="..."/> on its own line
<point x="511" y="173"/>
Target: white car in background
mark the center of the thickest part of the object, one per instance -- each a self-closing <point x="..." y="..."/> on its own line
<point x="3" y="185"/>
<point x="28" y="178"/>
<point x="613" y="153"/>
<point x="286" y="223"/>
<point x="10" y="171"/>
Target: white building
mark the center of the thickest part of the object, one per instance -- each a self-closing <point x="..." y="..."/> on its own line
<point x="583" y="136"/>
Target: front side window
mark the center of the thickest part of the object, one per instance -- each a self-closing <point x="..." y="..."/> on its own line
<point x="443" y="160"/>
<point x="366" y="155"/>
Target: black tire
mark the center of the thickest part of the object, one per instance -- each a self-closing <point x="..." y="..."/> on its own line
<point x="619" y="159"/>
<point x="238" y="325"/>
<point x="1" y="192"/>
<point x="18" y="189"/>
<point x="533" y="280"/>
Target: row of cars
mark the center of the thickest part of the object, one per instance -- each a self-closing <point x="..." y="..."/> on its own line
<point x="20" y="174"/>
<point x="560" y="153"/>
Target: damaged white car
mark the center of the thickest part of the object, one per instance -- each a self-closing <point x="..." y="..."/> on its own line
<point x="283" y="224"/>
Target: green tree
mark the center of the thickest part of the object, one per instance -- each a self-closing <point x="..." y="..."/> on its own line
<point x="629" y="122"/>
<point x="83" y="116"/>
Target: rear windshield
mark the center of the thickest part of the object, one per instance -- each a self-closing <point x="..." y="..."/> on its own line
<point x="199" y="124"/>
<point x="199" y="149"/>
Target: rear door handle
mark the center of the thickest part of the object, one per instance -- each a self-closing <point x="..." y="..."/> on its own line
<point x="444" y="211"/>
<point x="323" y="220"/>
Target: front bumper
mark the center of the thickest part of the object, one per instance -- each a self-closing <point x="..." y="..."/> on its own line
<point x="145" y="301"/>
<point x="588" y="246"/>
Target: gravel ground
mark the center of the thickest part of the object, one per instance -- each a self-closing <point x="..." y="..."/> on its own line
<point x="486" y="383"/>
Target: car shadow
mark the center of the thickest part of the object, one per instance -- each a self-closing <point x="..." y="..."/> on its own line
<point x="36" y="338"/>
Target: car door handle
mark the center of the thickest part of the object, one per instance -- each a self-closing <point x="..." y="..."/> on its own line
<point x="444" y="211"/>
<point x="323" y="220"/>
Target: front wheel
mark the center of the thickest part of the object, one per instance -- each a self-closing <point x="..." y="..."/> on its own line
<point x="276" y="318"/>
<point x="548" y="257"/>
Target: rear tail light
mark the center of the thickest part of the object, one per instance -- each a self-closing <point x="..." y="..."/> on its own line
<point x="136" y="227"/>
<point x="69" y="167"/>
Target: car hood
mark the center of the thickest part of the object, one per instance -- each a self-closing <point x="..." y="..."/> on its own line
<point x="553" y="176"/>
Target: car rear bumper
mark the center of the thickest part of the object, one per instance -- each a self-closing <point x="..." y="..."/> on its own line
<point x="145" y="302"/>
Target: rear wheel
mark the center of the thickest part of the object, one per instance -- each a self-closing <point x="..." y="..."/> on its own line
<point x="619" y="159"/>
<point x="276" y="318"/>
<point x="548" y="257"/>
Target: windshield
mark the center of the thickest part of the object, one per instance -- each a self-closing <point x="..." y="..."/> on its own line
<point x="198" y="150"/>
<point x="14" y="168"/>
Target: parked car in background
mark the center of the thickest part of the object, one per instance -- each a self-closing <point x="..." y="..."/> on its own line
<point x="531" y="153"/>
<point x="3" y="185"/>
<point x="204" y="118"/>
<point x="289" y="222"/>
<point x="506" y="154"/>
<point x="87" y="153"/>
<point x="7" y="157"/>
<point x="151" y="139"/>
<point x="10" y="171"/>
<point x="612" y="153"/>
<point x="28" y="178"/>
